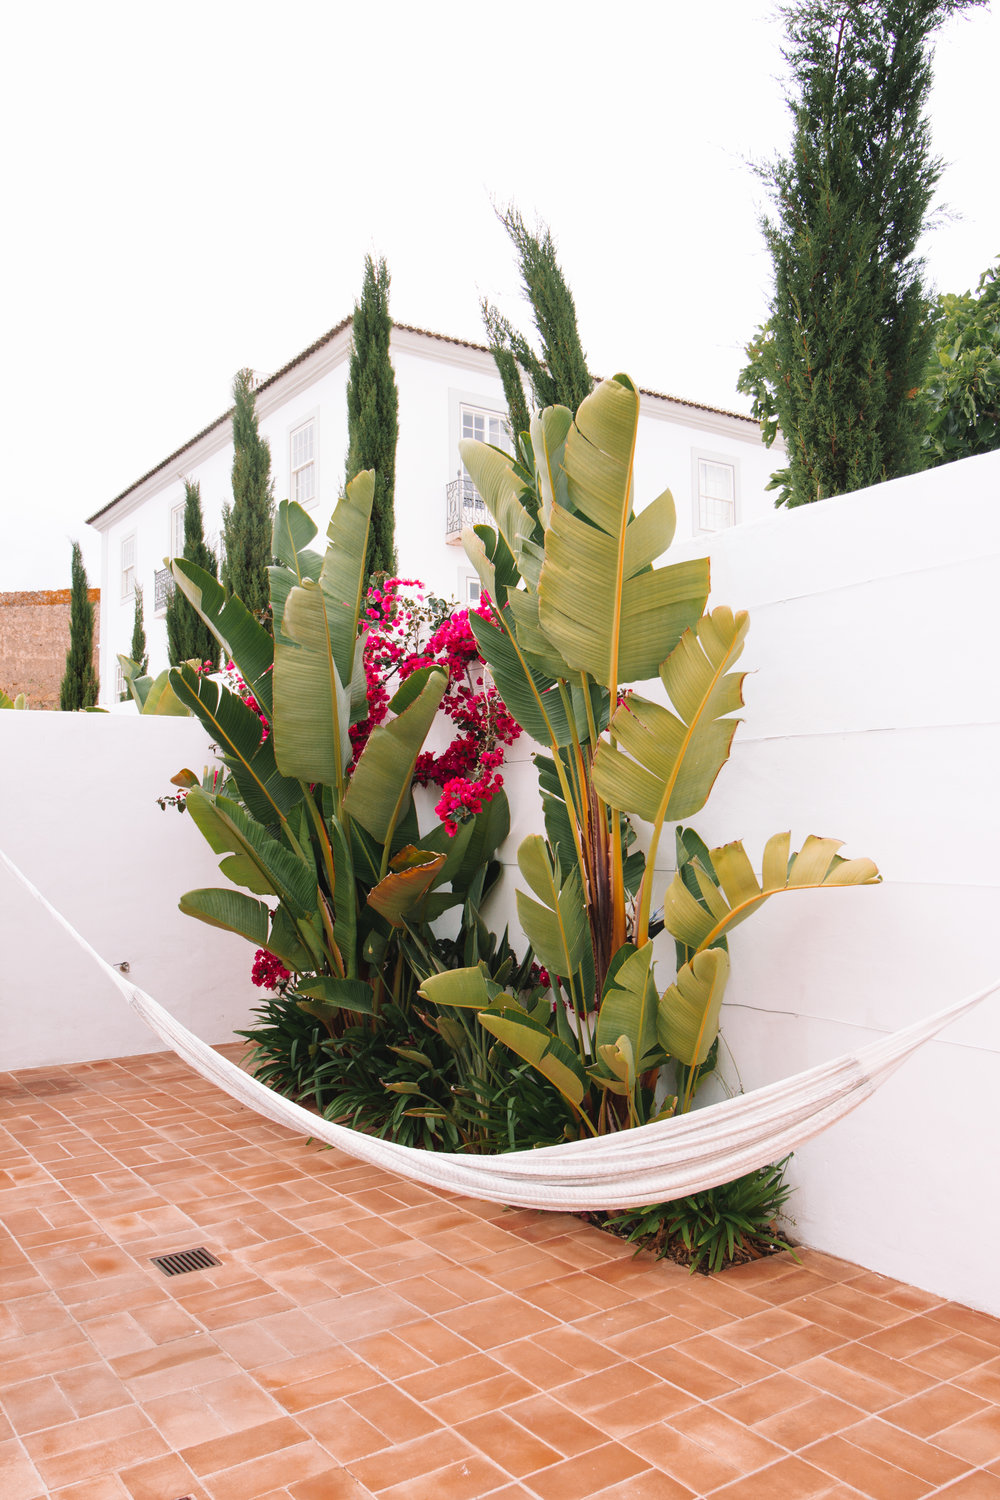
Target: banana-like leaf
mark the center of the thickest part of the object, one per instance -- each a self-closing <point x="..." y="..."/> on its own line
<point x="242" y="636"/>
<point x="291" y="533"/>
<point x="401" y="892"/>
<point x="530" y="696"/>
<point x="161" y="699"/>
<point x="556" y="925"/>
<point x="236" y="729"/>
<point x="536" y="1045"/>
<point x="465" y="989"/>
<point x="492" y="559"/>
<point x="500" y="487"/>
<point x="272" y="867"/>
<point x="379" y="793"/>
<point x="284" y="940"/>
<point x="315" y="645"/>
<point x="329" y="995"/>
<point x="687" y="1021"/>
<point x="739" y="893"/>
<point x="137" y="682"/>
<point x="342" y="579"/>
<point x="618" y="1061"/>
<point x="549" y="430"/>
<point x="345" y="908"/>
<point x="629" y="1007"/>
<point x="664" y="766"/>
<point x="230" y="910"/>
<point x="537" y="649"/>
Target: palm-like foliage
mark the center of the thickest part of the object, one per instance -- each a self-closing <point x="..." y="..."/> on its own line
<point x="326" y="866"/>
<point x="582" y="610"/>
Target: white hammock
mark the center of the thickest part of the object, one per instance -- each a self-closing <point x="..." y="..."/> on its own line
<point x="650" y="1164"/>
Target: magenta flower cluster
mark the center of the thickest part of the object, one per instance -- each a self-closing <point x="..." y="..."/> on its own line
<point x="468" y="769"/>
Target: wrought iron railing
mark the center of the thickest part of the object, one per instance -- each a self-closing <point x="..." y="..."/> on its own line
<point x="463" y="507"/>
<point x="163" y="587"/>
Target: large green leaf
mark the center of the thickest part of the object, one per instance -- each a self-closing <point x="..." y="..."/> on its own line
<point x="160" y="698"/>
<point x="500" y="487"/>
<point x="629" y="1006"/>
<point x="549" y="430"/>
<point x="379" y="793"/>
<point x="492" y="560"/>
<point x="237" y="731"/>
<point x="343" y="576"/>
<point x="243" y="637"/>
<point x="315" y="646"/>
<point x="231" y="910"/>
<point x="530" y="696"/>
<point x="536" y="1044"/>
<point x="739" y="893"/>
<point x="601" y="606"/>
<point x="264" y="865"/>
<point x="556" y="925"/>
<point x="665" y="765"/>
<point x="466" y="989"/>
<point x="687" y="1021"/>
<point x="401" y="893"/>
<point x="329" y="996"/>
<point x="291" y="533"/>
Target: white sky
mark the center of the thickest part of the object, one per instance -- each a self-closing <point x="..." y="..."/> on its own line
<point x="193" y="188"/>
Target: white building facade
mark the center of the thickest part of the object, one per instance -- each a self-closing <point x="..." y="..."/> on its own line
<point x="713" y="461"/>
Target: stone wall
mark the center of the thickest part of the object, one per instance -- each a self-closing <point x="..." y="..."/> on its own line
<point x="34" y="640"/>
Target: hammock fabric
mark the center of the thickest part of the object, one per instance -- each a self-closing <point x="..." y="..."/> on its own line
<point x="651" y="1164"/>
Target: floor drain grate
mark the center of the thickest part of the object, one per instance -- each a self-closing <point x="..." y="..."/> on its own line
<point x="185" y="1260"/>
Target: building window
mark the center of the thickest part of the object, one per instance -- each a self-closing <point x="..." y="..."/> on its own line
<point x="303" y="463"/>
<point x="122" y="694"/>
<point x="486" y="427"/>
<point x="177" y="531"/>
<point x="473" y="591"/>
<point x="128" y="566"/>
<point x="715" y="497"/>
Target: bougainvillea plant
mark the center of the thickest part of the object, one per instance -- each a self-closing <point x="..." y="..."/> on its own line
<point x="410" y="628"/>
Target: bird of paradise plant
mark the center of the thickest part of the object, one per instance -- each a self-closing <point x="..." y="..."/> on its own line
<point x="581" y="613"/>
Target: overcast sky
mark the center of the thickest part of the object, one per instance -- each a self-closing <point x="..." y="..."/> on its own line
<point x="193" y="188"/>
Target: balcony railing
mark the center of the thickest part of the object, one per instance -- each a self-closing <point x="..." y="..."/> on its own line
<point x="163" y="587"/>
<point x="463" y="507"/>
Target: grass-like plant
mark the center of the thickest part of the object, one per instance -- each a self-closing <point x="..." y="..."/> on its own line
<point x="721" y="1226"/>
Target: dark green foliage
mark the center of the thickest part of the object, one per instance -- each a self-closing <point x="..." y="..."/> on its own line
<point x="246" y="524"/>
<point x="838" y="363"/>
<point x="79" y="686"/>
<point x="398" y="1079"/>
<point x="137" y="650"/>
<point x="373" y="413"/>
<point x="960" y="398"/>
<point x="559" y="377"/>
<point x="188" y="637"/>
<point x="719" y="1227"/>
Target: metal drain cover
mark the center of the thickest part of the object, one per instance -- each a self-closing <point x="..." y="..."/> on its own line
<point x="185" y="1260"/>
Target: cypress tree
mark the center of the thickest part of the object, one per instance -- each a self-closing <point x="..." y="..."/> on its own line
<point x="373" y="412"/>
<point x="559" y="375"/>
<point x="246" y="524"/>
<point x="79" y="686"/>
<point x="137" y="650"/>
<point x="188" y="637"/>
<point x="838" y="363"/>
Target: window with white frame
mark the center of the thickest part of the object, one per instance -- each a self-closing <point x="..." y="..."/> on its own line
<point x="121" y="690"/>
<point x="303" y="463"/>
<point x="177" y="531"/>
<point x="473" y="590"/>
<point x="128" y="566"/>
<point x="715" y="497"/>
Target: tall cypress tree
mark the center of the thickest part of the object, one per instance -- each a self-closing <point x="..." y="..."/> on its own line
<point x="373" y="412"/>
<point x="559" y="376"/>
<point x="138" y="647"/>
<point x="79" y="686"/>
<point x="837" y="365"/>
<point x="246" y="524"/>
<point x="188" y="637"/>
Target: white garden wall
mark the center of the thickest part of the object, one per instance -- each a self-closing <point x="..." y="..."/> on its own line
<point x="78" y="815"/>
<point x="873" y="715"/>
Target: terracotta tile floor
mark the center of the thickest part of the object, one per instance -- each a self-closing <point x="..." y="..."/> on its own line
<point x="364" y="1337"/>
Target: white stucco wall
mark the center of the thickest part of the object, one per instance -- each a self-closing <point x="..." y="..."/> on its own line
<point x="434" y="377"/>
<point x="873" y="715"/>
<point x="78" y="815"/>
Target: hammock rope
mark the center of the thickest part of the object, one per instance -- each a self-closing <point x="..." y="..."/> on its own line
<point x="650" y="1164"/>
